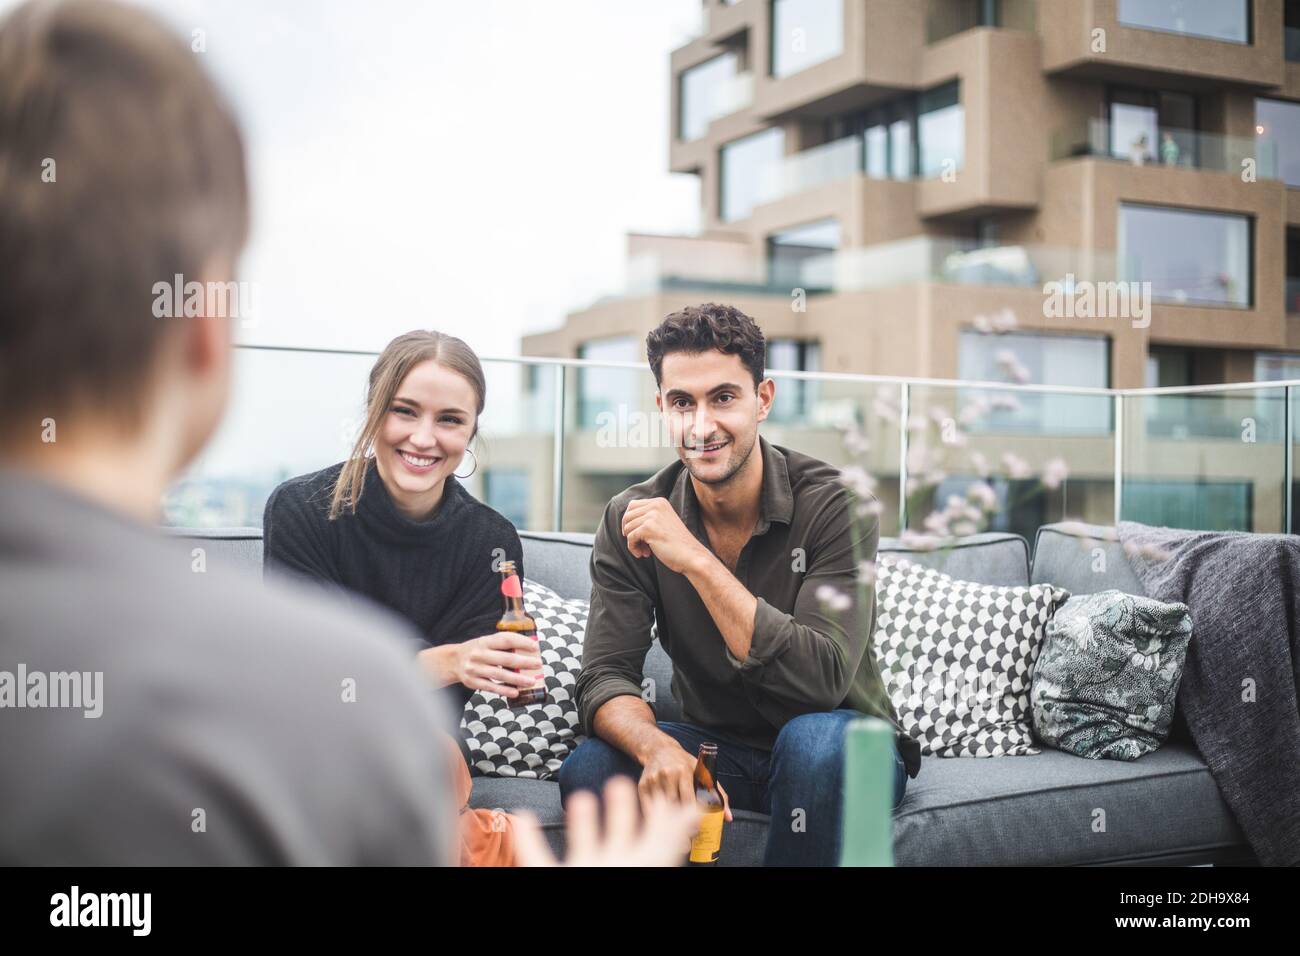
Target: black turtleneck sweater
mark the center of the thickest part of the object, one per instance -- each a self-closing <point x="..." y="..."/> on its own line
<point x="438" y="573"/>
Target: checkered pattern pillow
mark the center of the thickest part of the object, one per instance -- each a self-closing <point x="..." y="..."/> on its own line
<point x="957" y="658"/>
<point x="533" y="742"/>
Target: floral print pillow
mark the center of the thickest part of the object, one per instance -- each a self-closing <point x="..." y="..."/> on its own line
<point x="1107" y="675"/>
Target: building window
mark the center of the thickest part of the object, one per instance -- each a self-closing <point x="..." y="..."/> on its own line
<point x="802" y="257"/>
<point x="746" y="170"/>
<point x="1169" y="367"/>
<point x="908" y="136"/>
<point x="1150" y="126"/>
<point x="1227" y="20"/>
<point x="1277" y="123"/>
<point x="1277" y="366"/>
<point x="795" y="398"/>
<point x="941" y="130"/>
<point x="1291" y="30"/>
<point x="804" y="33"/>
<point x="1189" y="257"/>
<point x="607" y="389"/>
<point x="506" y="490"/>
<point x="1070" y="360"/>
<point x="703" y="94"/>
<point x="1292" y="271"/>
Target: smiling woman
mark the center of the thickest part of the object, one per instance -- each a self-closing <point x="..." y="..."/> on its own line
<point x="392" y="523"/>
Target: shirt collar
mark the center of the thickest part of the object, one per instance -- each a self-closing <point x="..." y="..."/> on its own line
<point x="776" y="499"/>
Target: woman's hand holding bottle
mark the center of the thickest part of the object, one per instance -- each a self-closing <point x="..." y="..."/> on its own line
<point x="499" y="663"/>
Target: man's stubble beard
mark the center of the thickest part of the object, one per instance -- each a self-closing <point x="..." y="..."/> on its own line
<point x="733" y="469"/>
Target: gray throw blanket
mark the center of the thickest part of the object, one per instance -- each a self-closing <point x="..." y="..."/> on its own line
<point x="1244" y="594"/>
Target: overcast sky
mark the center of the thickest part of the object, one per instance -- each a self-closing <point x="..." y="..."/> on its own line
<point x="470" y="166"/>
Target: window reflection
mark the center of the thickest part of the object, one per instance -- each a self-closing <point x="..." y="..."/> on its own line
<point x="804" y="33"/>
<point x="1278" y="122"/>
<point x="747" y="166"/>
<point x="1215" y="19"/>
<point x="703" y="91"/>
<point x="606" y="389"/>
<point x="1188" y="256"/>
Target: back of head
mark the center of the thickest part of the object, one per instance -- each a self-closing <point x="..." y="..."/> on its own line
<point x="121" y="166"/>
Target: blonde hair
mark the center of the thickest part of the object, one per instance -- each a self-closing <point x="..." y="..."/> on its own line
<point x="390" y="369"/>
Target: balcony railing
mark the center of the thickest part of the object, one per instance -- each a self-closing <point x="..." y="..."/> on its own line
<point x="1202" y="457"/>
<point x="1168" y="147"/>
<point x="732" y="267"/>
<point x="811" y="168"/>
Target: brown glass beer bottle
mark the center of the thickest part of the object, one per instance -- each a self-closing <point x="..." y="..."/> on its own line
<point x="514" y="618"/>
<point x="708" y="841"/>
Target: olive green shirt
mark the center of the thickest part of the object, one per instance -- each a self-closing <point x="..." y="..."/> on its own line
<point x="811" y="649"/>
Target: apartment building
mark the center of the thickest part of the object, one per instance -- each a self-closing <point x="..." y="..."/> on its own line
<point x="882" y="181"/>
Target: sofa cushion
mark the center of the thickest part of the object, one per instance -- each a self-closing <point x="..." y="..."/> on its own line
<point x="1083" y="559"/>
<point x="533" y="741"/>
<point x="957" y="658"/>
<point x="560" y="561"/>
<point x="1058" y="809"/>
<point x="1108" y="674"/>
<point x="992" y="557"/>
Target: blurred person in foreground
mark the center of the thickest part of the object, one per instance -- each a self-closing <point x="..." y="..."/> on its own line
<point x="170" y="716"/>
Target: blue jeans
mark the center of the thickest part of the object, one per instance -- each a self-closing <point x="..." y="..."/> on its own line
<point x="799" y="783"/>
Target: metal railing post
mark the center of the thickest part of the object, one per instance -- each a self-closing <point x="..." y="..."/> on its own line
<point x="1288" y="468"/>
<point x="557" y="454"/>
<point x="1119" y="457"/>
<point x="904" y="412"/>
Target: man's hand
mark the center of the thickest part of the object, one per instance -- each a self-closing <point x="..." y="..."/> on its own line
<point x="669" y="772"/>
<point x="651" y="526"/>
<point x="662" y="840"/>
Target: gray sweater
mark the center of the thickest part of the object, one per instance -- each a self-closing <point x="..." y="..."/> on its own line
<point x="238" y="724"/>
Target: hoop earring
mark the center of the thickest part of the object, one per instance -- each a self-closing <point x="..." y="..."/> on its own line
<point x="472" y="470"/>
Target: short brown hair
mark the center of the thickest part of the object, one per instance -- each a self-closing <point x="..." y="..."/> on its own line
<point x="147" y="181"/>
<point x="386" y="377"/>
<point x="703" y="328"/>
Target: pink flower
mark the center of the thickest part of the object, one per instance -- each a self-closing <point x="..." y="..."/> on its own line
<point x="1016" y="466"/>
<point x="983" y="495"/>
<point x="867" y="572"/>
<point x="1055" y="472"/>
<point x="833" y="598"/>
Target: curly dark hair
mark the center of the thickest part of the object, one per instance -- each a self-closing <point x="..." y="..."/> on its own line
<point x="703" y="328"/>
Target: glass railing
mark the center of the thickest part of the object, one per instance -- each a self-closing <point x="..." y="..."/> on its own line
<point x="725" y="268"/>
<point x="1166" y="146"/>
<point x="961" y="262"/>
<point x="732" y="95"/>
<point x="1211" y="457"/>
<point x="811" y="168"/>
<point x="941" y="457"/>
<point x="993" y="458"/>
<point x="835" y="161"/>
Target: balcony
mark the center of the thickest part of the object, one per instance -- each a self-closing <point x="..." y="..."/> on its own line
<point x="947" y="18"/>
<point x="1202" y="457"/>
<point x="1101" y="41"/>
<point x="1165" y="146"/>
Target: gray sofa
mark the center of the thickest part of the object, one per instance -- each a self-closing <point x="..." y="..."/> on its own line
<point x="1163" y="809"/>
